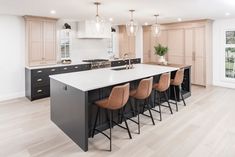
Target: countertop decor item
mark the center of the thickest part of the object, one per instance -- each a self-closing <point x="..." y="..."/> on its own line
<point x="161" y="51"/>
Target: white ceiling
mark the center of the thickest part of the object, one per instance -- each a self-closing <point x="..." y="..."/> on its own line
<point x="169" y="10"/>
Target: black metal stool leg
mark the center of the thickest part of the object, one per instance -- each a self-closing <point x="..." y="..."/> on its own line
<point x="110" y="128"/>
<point x="150" y="113"/>
<point x="159" y="105"/>
<point x="180" y="89"/>
<point x="138" y="112"/>
<point x="128" y="130"/>
<point x="168" y="102"/>
<point x="175" y="99"/>
<point x="96" y="118"/>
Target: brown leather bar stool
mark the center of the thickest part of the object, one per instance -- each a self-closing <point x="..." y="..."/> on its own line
<point x="161" y="87"/>
<point x="177" y="82"/>
<point x="116" y="100"/>
<point x="142" y="93"/>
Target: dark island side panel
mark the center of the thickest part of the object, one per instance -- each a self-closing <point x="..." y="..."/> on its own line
<point x="69" y="111"/>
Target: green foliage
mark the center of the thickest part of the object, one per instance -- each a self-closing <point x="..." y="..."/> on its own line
<point x="160" y="50"/>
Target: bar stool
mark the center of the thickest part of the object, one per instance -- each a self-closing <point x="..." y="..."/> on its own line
<point x="142" y="93"/>
<point x="177" y="82"/>
<point x="116" y="100"/>
<point x="161" y="87"/>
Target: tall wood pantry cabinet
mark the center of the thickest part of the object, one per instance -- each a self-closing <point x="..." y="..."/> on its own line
<point x="40" y="40"/>
<point x="189" y="43"/>
<point x="126" y="43"/>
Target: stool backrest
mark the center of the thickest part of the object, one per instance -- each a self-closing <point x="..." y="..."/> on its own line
<point x="145" y="88"/>
<point x="179" y="77"/>
<point x="164" y="82"/>
<point x="119" y="96"/>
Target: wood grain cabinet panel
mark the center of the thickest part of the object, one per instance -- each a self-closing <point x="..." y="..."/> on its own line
<point x="126" y="43"/>
<point x="40" y="40"/>
<point x="189" y="43"/>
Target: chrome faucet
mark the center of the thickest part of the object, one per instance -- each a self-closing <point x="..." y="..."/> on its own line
<point x="126" y="55"/>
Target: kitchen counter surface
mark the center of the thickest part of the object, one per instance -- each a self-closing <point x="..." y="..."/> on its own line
<point x="169" y="65"/>
<point x="56" y="65"/>
<point x="95" y="79"/>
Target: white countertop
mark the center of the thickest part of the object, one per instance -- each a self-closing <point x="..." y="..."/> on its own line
<point x="56" y="65"/>
<point x="99" y="78"/>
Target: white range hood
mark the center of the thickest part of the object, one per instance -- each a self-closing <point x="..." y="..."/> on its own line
<point x="87" y="30"/>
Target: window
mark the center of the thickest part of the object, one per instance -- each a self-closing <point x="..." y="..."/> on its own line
<point x="230" y="54"/>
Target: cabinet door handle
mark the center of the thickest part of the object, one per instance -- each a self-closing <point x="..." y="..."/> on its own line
<point x="39" y="71"/>
<point x="39" y="91"/>
<point x="65" y="68"/>
<point x="39" y="80"/>
<point x="65" y="87"/>
<point x="52" y="69"/>
<point x="76" y="67"/>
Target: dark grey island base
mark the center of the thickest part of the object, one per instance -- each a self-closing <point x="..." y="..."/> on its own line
<point x="73" y="111"/>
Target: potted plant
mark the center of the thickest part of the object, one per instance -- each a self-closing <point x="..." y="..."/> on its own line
<point x="161" y="51"/>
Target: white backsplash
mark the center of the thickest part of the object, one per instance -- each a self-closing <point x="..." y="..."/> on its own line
<point x="85" y="48"/>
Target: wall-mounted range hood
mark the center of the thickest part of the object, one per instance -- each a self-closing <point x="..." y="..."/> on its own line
<point x="88" y="30"/>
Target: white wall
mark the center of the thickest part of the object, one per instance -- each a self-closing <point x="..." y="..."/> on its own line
<point x="12" y="32"/>
<point x="219" y="28"/>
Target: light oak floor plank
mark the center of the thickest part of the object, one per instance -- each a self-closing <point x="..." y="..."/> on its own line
<point x="204" y="128"/>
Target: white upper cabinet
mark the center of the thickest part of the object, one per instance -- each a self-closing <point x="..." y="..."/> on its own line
<point x="88" y="29"/>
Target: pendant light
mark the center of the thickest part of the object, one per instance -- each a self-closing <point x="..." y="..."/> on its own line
<point x="156" y="28"/>
<point x="131" y="26"/>
<point x="98" y="20"/>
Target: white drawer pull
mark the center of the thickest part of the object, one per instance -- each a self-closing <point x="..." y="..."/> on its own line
<point x="76" y="67"/>
<point x="52" y="69"/>
<point x="39" y="91"/>
<point x="39" y="80"/>
<point x="65" y="68"/>
<point x="39" y="71"/>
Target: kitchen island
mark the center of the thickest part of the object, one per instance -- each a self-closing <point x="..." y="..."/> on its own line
<point x="73" y="94"/>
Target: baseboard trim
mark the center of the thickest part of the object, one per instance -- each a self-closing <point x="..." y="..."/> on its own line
<point x="12" y="96"/>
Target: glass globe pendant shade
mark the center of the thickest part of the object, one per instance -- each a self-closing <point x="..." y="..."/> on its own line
<point x="99" y="22"/>
<point x="156" y="28"/>
<point x="131" y="26"/>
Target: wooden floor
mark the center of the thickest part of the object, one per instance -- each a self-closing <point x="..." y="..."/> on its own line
<point x="204" y="128"/>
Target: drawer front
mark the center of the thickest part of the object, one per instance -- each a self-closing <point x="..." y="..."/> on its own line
<point x="40" y="92"/>
<point x="85" y="67"/>
<point x="39" y="72"/>
<point x="135" y="61"/>
<point x="118" y="63"/>
<point x="66" y="69"/>
<point x="52" y="71"/>
<point x="40" y="81"/>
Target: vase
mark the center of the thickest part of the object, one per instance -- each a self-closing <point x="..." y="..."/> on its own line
<point x="161" y="59"/>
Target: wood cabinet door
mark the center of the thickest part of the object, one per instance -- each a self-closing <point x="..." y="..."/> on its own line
<point x="126" y="43"/>
<point x="50" y="42"/>
<point x="199" y="68"/>
<point x="199" y="50"/>
<point x="35" y="42"/>
<point x="146" y="44"/>
<point x="199" y="39"/>
<point x="176" y="46"/>
<point x="189" y="50"/>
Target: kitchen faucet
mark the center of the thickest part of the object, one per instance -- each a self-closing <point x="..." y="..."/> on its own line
<point x="126" y="55"/>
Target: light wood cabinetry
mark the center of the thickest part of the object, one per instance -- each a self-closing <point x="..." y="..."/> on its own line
<point x="189" y="43"/>
<point x="40" y="40"/>
<point x="126" y="43"/>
